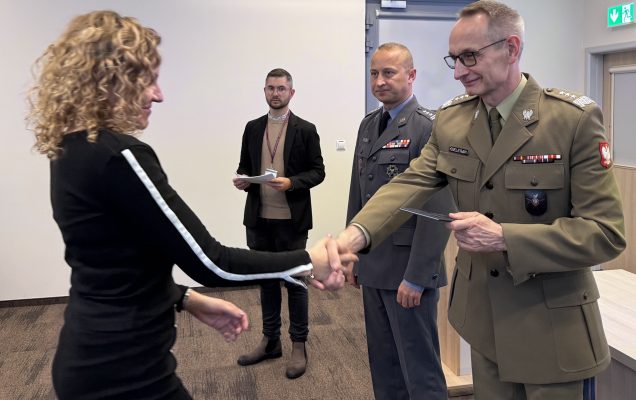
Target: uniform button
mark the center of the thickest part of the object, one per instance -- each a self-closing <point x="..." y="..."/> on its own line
<point x="435" y="276"/>
<point x="494" y="273"/>
<point x="370" y="177"/>
<point x="534" y="182"/>
<point x="489" y="185"/>
<point x="392" y="158"/>
<point x="368" y="196"/>
<point x="585" y="296"/>
<point x="175" y="325"/>
<point x="374" y="158"/>
<point x="453" y="170"/>
<point x="489" y="215"/>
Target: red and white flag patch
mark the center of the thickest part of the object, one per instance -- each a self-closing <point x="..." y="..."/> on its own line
<point x="606" y="157"/>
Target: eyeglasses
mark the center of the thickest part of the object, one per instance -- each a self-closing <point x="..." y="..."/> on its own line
<point x="468" y="58"/>
<point x="279" y="89"/>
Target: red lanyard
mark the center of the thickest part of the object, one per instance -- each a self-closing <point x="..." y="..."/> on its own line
<point x="269" y="146"/>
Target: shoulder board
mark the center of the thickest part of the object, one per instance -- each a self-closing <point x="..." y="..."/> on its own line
<point x="428" y="114"/>
<point x="574" y="98"/>
<point x="457" y="100"/>
<point x="373" y="111"/>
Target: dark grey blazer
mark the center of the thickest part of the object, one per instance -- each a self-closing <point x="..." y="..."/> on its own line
<point x="303" y="165"/>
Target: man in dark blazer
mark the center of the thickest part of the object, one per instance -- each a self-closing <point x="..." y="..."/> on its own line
<point x="278" y="212"/>
<point x="400" y="278"/>
<point x="532" y="177"/>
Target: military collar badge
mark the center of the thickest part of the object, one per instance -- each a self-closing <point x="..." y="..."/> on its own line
<point x="606" y="156"/>
<point x="527" y="114"/>
<point x="476" y="114"/>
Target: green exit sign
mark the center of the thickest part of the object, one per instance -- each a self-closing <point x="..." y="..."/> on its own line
<point x="620" y="15"/>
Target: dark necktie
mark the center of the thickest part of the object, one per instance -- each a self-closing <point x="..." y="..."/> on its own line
<point x="495" y="125"/>
<point x="384" y="120"/>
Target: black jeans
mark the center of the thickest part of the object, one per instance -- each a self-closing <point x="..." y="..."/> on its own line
<point x="279" y="235"/>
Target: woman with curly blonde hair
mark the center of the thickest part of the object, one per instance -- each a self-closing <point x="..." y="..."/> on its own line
<point x="124" y="227"/>
<point x="94" y="76"/>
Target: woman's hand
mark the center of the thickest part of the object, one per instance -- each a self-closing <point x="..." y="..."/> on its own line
<point x="328" y="264"/>
<point x="219" y="314"/>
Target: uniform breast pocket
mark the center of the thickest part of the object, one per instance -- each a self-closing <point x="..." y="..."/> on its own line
<point x="534" y="187"/>
<point x="392" y="162"/>
<point x="461" y="173"/>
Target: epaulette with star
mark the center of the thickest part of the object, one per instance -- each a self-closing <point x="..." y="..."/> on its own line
<point x="457" y="100"/>
<point x="574" y="98"/>
<point x="428" y="114"/>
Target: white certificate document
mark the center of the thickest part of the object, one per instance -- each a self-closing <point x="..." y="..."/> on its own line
<point x="428" y="214"/>
<point x="266" y="177"/>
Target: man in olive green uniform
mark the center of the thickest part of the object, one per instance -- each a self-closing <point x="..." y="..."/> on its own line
<point x="538" y="206"/>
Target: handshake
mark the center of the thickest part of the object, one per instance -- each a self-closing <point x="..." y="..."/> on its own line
<point x="333" y="259"/>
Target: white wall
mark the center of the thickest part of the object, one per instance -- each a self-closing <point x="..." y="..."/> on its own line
<point x="216" y="54"/>
<point x="553" y="53"/>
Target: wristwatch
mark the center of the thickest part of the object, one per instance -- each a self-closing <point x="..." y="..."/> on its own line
<point x="181" y="304"/>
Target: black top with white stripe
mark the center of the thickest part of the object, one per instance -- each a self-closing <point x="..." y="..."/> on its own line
<point x="124" y="228"/>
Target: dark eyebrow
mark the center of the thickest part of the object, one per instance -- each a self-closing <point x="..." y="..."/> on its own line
<point x="462" y="52"/>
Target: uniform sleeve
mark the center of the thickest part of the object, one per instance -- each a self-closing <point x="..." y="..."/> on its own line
<point x="594" y="231"/>
<point x="430" y="237"/>
<point x="139" y="192"/>
<point x="429" y="242"/>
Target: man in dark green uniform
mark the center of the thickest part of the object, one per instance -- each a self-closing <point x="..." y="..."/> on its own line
<point x="532" y="176"/>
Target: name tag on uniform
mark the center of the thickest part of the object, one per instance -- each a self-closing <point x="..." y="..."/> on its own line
<point x="397" y="144"/>
<point x="458" y="150"/>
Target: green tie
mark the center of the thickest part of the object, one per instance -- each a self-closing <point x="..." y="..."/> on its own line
<point x="495" y="125"/>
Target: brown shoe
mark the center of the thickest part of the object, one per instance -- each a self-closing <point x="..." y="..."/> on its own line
<point x="298" y="362"/>
<point x="265" y="350"/>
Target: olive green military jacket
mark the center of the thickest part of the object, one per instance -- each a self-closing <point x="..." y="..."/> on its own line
<point x="533" y="308"/>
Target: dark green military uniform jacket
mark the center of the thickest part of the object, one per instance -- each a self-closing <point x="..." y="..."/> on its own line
<point x="533" y="308"/>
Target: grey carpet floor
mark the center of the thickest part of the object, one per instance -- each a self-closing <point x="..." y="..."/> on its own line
<point x="338" y="366"/>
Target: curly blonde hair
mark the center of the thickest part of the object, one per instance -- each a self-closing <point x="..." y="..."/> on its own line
<point x="93" y="77"/>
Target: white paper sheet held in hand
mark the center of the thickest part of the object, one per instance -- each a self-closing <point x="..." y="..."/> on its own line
<point x="266" y="177"/>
